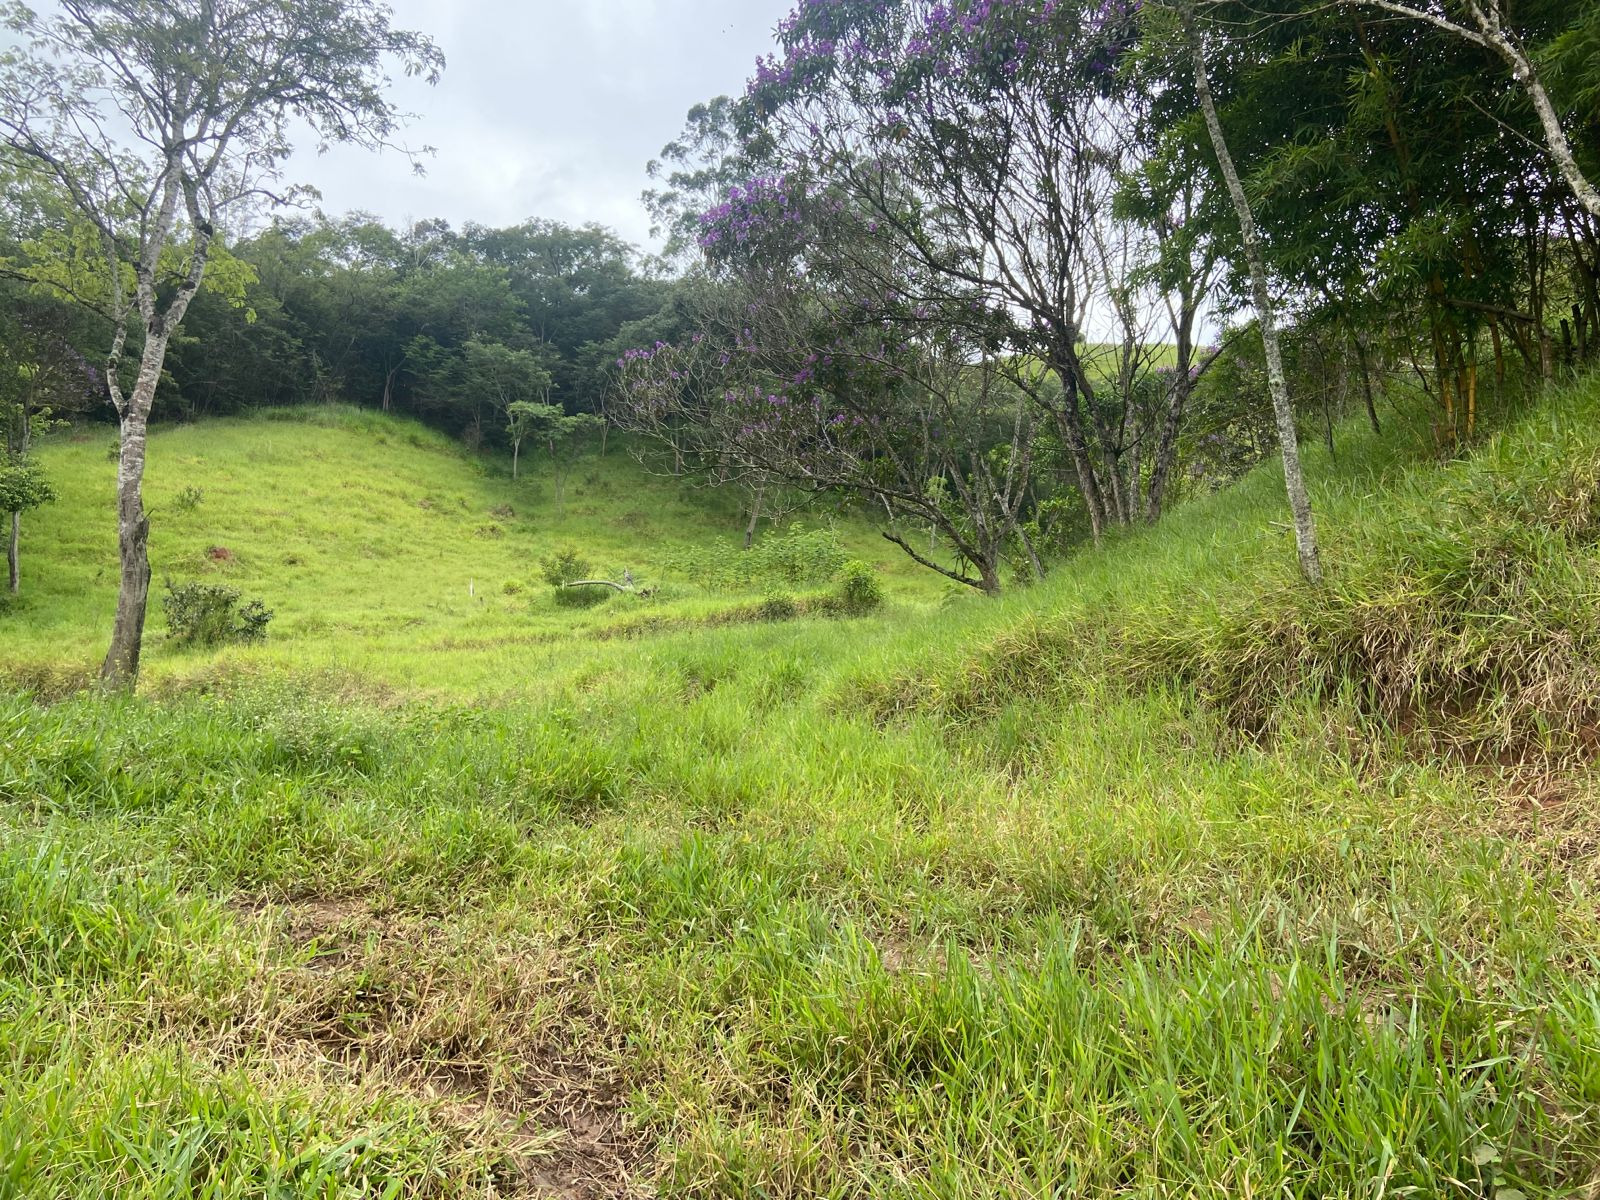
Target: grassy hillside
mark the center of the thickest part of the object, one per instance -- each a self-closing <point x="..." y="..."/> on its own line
<point x="387" y="551"/>
<point x="1169" y="878"/>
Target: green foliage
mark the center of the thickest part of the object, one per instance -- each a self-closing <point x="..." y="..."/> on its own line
<point x="23" y="485"/>
<point x="1018" y="893"/>
<point x="581" y="597"/>
<point x="859" y="590"/>
<point x="187" y="500"/>
<point x="209" y="614"/>
<point x="404" y="560"/>
<point x="564" y="566"/>
<point x="780" y="606"/>
<point x="797" y="556"/>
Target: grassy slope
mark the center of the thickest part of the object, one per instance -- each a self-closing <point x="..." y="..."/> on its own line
<point x="1156" y="881"/>
<point x="382" y="548"/>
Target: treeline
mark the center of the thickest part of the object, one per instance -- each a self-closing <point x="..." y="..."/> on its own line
<point x="353" y="311"/>
<point x="349" y="310"/>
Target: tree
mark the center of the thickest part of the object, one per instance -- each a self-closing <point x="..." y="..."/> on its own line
<point x="790" y="384"/>
<point x="23" y="485"/>
<point x="159" y="123"/>
<point x="562" y="436"/>
<point x="1305" y="530"/>
<point x="41" y="372"/>
<point x="983" y="144"/>
<point x="516" y="383"/>
<point x="1483" y="23"/>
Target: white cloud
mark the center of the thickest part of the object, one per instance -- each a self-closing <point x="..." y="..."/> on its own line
<point x="549" y="108"/>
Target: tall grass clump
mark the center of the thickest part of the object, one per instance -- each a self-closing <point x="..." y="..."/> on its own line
<point x="1463" y="611"/>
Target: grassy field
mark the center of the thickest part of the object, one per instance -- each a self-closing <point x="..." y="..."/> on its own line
<point x="387" y="551"/>
<point x="1167" y="878"/>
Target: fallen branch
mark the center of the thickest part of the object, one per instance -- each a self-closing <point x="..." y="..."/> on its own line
<point x="597" y="583"/>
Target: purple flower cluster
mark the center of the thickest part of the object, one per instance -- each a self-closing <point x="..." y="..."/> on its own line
<point x="1113" y="27"/>
<point x="982" y="39"/>
<point x="751" y="211"/>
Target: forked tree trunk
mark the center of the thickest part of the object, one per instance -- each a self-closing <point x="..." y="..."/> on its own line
<point x="516" y="452"/>
<point x="989" y="572"/>
<point x="1305" y="529"/>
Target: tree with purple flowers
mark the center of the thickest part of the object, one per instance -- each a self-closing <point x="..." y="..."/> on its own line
<point x="792" y="385"/>
<point x="983" y="143"/>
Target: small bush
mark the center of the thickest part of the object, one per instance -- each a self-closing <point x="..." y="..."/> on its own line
<point x="188" y="499"/>
<point x="254" y="618"/>
<point x="858" y="590"/>
<point x="778" y="607"/>
<point x="511" y="587"/>
<point x="564" y="566"/>
<point x="797" y="557"/>
<point x="581" y="597"/>
<point x="209" y="614"/>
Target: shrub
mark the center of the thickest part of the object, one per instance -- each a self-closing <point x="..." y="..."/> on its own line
<point x="778" y="607"/>
<point x="581" y="597"/>
<point x="564" y="566"/>
<point x="858" y="590"/>
<point x="799" y="556"/>
<point x="209" y="614"/>
<point x="188" y="499"/>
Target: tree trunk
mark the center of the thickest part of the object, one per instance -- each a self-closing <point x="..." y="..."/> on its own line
<point x="13" y="553"/>
<point x="1305" y="529"/>
<point x="121" y="667"/>
<point x="516" y="453"/>
<point x="1555" y="137"/>
<point x="1069" y="424"/>
<point x="1366" y="380"/>
<point x="989" y="571"/>
<point x="20" y="437"/>
<point x="560" y="476"/>
<point x="1177" y="401"/>
<point x="1491" y="34"/>
<point x="755" y="519"/>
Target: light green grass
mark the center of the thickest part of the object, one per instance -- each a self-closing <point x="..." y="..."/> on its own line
<point x="1132" y="884"/>
<point x="386" y="551"/>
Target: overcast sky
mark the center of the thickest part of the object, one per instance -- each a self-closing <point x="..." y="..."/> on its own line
<point x="549" y="108"/>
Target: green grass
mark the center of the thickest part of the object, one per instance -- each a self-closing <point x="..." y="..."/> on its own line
<point x="1167" y="878"/>
<point x="386" y="551"/>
